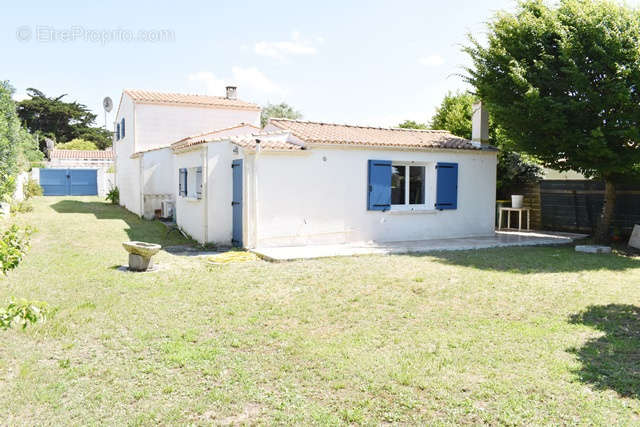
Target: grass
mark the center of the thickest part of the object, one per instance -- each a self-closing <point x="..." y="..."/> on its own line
<point x="505" y="336"/>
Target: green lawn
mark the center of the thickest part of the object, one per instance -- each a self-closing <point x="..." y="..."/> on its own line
<point x="504" y="336"/>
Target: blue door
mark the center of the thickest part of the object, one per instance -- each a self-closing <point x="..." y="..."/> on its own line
<point x="236" y="203"/>
<point x="83" y="182"/>
<point x="69" y="182"/>
<point x="54" y="182"/>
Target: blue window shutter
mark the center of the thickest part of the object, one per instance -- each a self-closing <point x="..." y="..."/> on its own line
<point x="182" y="182"/>
<point x="379" y="190"/>
<point x="122" y="128"/>
<point x="199" y="182"/>
<point x="447" y="186"/>
<point x="117" y="131"/>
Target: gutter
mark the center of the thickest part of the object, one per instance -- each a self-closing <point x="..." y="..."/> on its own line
<point x="140" y="162"/>
<point x="255" y="193"/>
<point x="205" y="191"/>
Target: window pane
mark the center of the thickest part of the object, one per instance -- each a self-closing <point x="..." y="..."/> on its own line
<point x="416" y="185"/>
<point x="398" y="180"/>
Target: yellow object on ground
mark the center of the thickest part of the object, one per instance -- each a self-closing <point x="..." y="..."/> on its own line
<point x="233" y="256"/>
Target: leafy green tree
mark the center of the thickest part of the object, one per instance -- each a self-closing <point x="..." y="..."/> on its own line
<point x="77" y="144"/>
<point x="563" y="82"/>
<point x="63" y="121"/>
<point x="280" y="111"/>
<point x="514" y="170"/>
<point x="17" y="147"/>
<point x="454" y="114"/>
<point x="412" y="124"/>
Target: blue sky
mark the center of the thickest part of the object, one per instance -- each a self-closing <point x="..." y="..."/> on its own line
<point x="373" y="62"/>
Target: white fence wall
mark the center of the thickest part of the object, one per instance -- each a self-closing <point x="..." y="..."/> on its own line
<point x="21" y="181"/>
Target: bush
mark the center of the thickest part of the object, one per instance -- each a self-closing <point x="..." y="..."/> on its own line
<point x="32" y="188"/>
<point x="14" y="244"/>
<point x="23" y="313"/>
<point x="514" y="172"/>
<point x="7" y="187"/>
<point x="37" y="165"/>
<point x="21" y="207"/>
<point x="114" y="196"/>
<point x="77" y="144"/>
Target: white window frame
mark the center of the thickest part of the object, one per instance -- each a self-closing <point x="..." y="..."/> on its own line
<point x="193" y="186"/>
<point x="429" y="187"/>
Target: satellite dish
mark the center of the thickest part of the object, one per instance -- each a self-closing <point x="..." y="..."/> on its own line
<point x="107" y="103"/>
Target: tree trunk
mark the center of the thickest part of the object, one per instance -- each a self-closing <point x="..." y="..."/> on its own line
<point x="606" y="216"/>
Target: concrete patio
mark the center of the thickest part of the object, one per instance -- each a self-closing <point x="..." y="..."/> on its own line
<point x="499" y="239"/>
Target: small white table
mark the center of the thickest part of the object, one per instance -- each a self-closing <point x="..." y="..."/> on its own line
<point x="508" y="211"/>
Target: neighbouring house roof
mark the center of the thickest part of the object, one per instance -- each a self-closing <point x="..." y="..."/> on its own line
<point x="205" y="137"/>
<point x="207" y="101"/>
<point x="81" y="154"/>
<point x="338" y="134"/>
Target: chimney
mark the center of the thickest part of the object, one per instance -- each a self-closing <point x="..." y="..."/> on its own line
<point x="479" y="124"/>
<point x="232" y="92"/>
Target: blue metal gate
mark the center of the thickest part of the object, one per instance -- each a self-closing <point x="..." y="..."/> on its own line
<point x="236" y="203"/>
<point x="69" y="182"/>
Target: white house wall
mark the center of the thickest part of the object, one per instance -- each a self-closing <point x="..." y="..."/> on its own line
<point x="220" y="192"/>
<point x="320" y="196"/>
<point x="127" y="169"/>
<point x="218" y="184"/>
<point x="161" y="125"/>
<point x="190" y="212"/>
<point x="159" y="183"/>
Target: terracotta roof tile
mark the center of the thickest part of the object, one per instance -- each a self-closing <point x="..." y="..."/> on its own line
<point x="330" y="133"/>
<point x="149" y="97"/>
<point x="205" y="137"/>
<point x="82" y="154"/>
<point x="270" y="141"/>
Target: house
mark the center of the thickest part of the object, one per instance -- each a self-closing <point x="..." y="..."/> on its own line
<point x="300" y="182"/>
<point x="146" y="123"/>
<point x="76" y="172"/>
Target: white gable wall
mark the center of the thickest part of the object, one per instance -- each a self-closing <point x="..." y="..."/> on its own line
<point x="127" y="169"/>
<point x="162" y="125"/>
<point x="320" y="196"/>
<point x="150" y="126"/>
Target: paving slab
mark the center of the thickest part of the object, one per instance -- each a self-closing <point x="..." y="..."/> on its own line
<point x="498" y="239"/>
<point x="593" y="249"/>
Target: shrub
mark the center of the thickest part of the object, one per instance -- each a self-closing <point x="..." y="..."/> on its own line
<point x="14" y="244"/>
<point x="32" y="188"/>
<point x="23" y="313"/>
<point x="77" y="144"/>
<point x="35" y="165"/>
<point x="514" y="172"/>
<point x="114" y="196"/>
<point x="21" y="207"/>
<point x="7" y="187"/>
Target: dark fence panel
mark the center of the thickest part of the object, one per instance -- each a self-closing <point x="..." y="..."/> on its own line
<point x="576" y="205"/>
